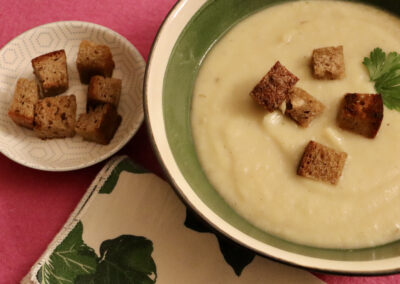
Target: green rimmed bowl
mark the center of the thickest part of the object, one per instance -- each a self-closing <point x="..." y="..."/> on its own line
<point x="187" y="34"/>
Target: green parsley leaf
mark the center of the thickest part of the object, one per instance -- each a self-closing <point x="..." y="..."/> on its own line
<point x="375" y="63"/>
<point x="385" y="72"/>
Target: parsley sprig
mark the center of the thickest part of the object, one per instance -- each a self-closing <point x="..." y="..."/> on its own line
<point x="384" y="70"/>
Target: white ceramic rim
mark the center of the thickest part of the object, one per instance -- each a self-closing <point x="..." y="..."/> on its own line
<point x="127" y="137"/>
<point x="163" y="45"/>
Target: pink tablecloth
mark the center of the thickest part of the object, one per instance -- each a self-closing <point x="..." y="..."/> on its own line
<point x="35" y="204"/>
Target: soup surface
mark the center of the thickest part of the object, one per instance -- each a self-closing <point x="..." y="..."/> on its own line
<point x="251" y="156"/>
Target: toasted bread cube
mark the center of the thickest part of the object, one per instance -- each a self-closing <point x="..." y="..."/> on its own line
<point x="328" y="63"/>
<point x="274" y="87"/>
<point x="99" y="124"/>
<point x="321" y="163"/>
<point x="94" y="59"/>
<point x="302" y="107"/>
<point x="55" y="117"/>
<point x="104" y="90"/>
<point x="52" y="73"/>
<point x="361" y="113"/>
<point x="26" y="95"/>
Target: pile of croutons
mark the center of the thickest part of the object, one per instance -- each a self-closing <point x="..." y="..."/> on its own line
<point x="37" y="105"/>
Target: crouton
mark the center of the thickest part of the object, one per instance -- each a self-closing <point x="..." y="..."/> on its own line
<point x="104" y="90"/>
<point x="302" y="107"/>
<point x="94" y="59"/>
<point x="51" y="71"/>
<point x="55" y="117"/>
<point x="321" y="163"/>
<point x="361" y="113"/>
<point x="328" y="63"/>
<point x="26" y="95"/>
<point x="274" y="87"/>
<point x="99" y="124"/>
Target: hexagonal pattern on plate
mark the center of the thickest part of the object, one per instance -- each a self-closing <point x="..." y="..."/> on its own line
<point x="11" y="59"/>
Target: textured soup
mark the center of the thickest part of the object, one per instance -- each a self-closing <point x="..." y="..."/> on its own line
<point x="251" y="156"/>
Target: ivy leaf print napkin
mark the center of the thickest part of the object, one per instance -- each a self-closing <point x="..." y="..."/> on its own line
<point x="130" y="227"/>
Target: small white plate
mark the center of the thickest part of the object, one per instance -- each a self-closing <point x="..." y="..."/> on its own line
<point x="21" y="145"/>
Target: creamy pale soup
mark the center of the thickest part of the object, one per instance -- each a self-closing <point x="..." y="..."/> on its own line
<point x="251" y="156"/>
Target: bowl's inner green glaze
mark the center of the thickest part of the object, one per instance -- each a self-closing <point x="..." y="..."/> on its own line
<point x="211" y="22"/>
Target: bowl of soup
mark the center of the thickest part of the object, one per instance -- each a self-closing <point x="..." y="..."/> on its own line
<point x="235" y="164"/>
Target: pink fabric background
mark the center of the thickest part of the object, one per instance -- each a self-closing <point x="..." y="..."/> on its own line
<point x="35" y="204"/>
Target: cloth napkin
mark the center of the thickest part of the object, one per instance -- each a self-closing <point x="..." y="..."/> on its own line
<point x="130" y="227"/>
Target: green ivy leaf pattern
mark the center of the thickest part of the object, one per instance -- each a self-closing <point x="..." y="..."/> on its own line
<point x="112" y="179"/>
<point x="124" y="260"/>
<point x="235" y="255"/>
<point x="70" y="259"/>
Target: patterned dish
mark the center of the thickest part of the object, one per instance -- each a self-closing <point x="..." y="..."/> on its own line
<point x="21" y="145"/>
